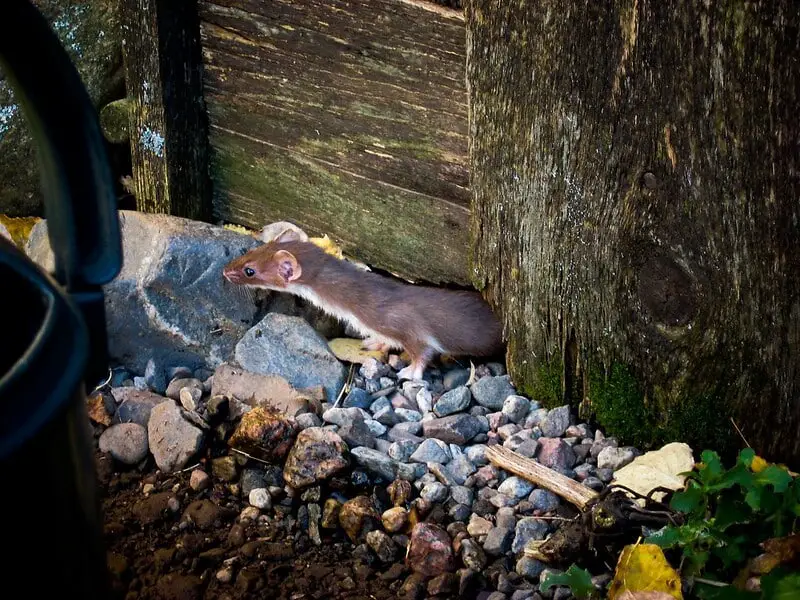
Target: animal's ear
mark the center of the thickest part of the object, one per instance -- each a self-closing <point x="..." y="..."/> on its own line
<point x="288" y="267"/>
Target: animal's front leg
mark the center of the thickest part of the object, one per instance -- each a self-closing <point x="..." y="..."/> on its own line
<point x="419" y="362"/>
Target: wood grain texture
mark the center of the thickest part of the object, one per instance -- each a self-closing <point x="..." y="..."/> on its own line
<point x="635" y="174"/>
<point x="168" y="129"/>
<point x="348" y="118"/>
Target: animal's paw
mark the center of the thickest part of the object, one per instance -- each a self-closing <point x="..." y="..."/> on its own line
<point x="374" y="344"/>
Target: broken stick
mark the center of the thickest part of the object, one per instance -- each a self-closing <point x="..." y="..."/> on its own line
<point x="532" y="471"/>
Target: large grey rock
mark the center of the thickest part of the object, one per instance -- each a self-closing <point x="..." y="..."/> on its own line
<point x="89" y="31"/>
<point x="376" y="462"/>
<point x="290" y="347"/>
<point x="453" y="429"/>
<point x="492" y="392"/>
<point x="170" y="302"/>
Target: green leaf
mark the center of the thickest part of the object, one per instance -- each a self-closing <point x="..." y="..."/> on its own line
<point x="738" y="475"/>
<point x="781" y="584"/>
<point x="746" y="456"/>
<point x="688" y="500"/>
<point x="753" y="498"/>
<point x="731" y="511"/>
<point x="727" y="592"/>
<point x="578" y="580"/>
<point x="773" y="475"/>
<point x="711" y="468"/>
<point x="666" y="537"/>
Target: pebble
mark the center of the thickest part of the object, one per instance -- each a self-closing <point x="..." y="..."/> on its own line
<point x="455" y="378"/>
<point x="382" y="545"/>
<point x="357" y="516"/>
<point x="461" y="468"/>
<point x="199" y="480"/>
<point x="380" y="404"/>
<point x="172" y="439"/>
<point x="544" y="501"/>
<point x="615" y="458"/>
<point x="357" y="398"/>
<point x="600" y="444"/>
<point x="462" y="495"/>
<point x="443" y="474"/>
<point x="528" y="528"/>
<point x="530" y="568"/>
<point x="442" y="585"/>
<point x="387" y="416"/>
<point x="496" y="420"/>
<point x="472" y="555"/>
<point x="507" y="431"/>
<point x="260" y="498"/>
<point x="424" y="400"/>
<point x="126" y="442"/>
<point x="176" y="385"/>
<point x="555" y="453"/>
<point x="407" y="414"/>
<point x="434" y="492"/>
<point x="225" y="468"/>
<point x="155" y="377"/>
<point x="372" y="368"/>
<point x="430" y="551"/>
<point x="528" y="448"/>
<point x="357" y="433"/>
<point x="399" y="492"/>
<point x="515" y="486"/>
<point x="556" y="422"/>
<point x="477" y="454"/>
<point x="454" y="401"/>
<point x="460" y="512"/>
<point x="403" y="450"/>
<point x="505" y="518"/>
<point x="593" y="483"/>
<point x="516" y="408"/>
<point x="500" y="500"/>
<point x="432" y="450"/>
<point x="604" y="475"/>
<point x="453" y="429"/>
<point x="405" y="431"/>
<point x="478" y="526"/>
<point x="317" y="454"/>
<point x="394" y="519"/>
<point x="534" y="418"/>
<point x="306" y="420"/>
<point x="375" y="462"/>
<point x="498" y="541"/>
<point x="491" y="392"/>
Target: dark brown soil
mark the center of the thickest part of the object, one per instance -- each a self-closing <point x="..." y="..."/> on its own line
<point x="171" y="544"/>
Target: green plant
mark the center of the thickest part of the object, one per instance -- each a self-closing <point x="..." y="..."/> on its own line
<point x="578" y="580"/>
<point x="728" y="514"/>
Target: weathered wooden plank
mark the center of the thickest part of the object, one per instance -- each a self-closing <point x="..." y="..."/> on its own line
<point x="373" y="94"/>
<point x="168" y="128"/>
<point x="406" y="232"/>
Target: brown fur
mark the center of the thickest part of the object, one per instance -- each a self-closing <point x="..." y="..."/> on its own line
<point x="460" y="321"/>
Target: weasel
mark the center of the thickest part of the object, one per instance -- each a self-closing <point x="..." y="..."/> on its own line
<point x="423" y="321"/>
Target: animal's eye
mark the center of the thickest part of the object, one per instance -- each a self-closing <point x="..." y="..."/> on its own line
<point x="249" y="272"/>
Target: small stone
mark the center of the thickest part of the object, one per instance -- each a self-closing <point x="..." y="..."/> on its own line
<point x="424" y="400"/>
<point x="403" y="450"/>
<point x="225" y="575"/>
<point x="126" y="442"/>
<point x="382" y="545"/>
<point x="357" y="517"/>
<point x="496" y="420"/>
<point x="534" y="418"/>
<point x="379" y="404"/>
<point x="344" y="416"/>
<point x="515" y="486"/>
<point x="202" y="513"/>
<point x="376" y="428"/>
<point x="155" y="377"/>
<point x="375" y="462"/>
<point x="516" y="408"/>
<point x="544" y="501"/>
<point x="306" y="420"/>
<point x="555" y="453"/>
<point x="101" y="407"/>
<point x="434" y="492"/>
<point x="189" y="398"/>
<point x="556" y="422"/>
<point x="460" y="468"/>
<point x="498" y="541"/>
<point x="388" y="417"/>
<point x="477" y="454"/>
<point x="599" y="444"/>
<point x="453" y="429"/>
<point x="134" y="406"/>
<point x="528" y="448"/>
<point x="454" y="401"/>
<point x="355" y="433"/>
<point x="199" y="480"/>
<point x="394" y="519"/>
<point x="411" y="471"/>
<point x="176" y="385"/>
<point x="357" y="398"/>
<point x="430" y="551"/>
<point x="432" y="450"/>
<point x="505" y="518"/>
<point x="529" y="568"/>
<point x="330" y="513"/>
<point x="399" y="492"/>
<point x="583" y="471"/>
<point x="460" y="512"/>
<point x="593" y="483"/>
<point x="265" y="433"/>
<point x="260" y="498"/>
<point x="500" y="500"/>
<point x="317" y="454"/>
<point x="615" y="458"/>
<point x="373" y="369"/>
<point x="528" y="528"/>
<point x="413" y="587"/>
<point x="172" y="439"/>
<point x="605" y="475"/>
<point x="461" y="495"/>
<point x="408" y="415"/>
<point x="506" y="431"/>
<point x="443" y="584"/>
<point x="455" y="378"/>
<point x="225" y="468"/>
<point x="491" y="392"/>
<point x="478" y="526"/>
<point x="580" y="431"/>
<point x="442" y="474"/>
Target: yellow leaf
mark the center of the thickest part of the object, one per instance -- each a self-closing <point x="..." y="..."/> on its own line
<point x="643" y="568"/>
<point x="328" y="245"/>
<point x="350" y="350"/>
<point x="19" y="228"/>
<point x="758" y="464"/>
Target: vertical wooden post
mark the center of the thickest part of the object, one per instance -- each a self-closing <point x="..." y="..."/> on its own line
<point x="168" y="129"/>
